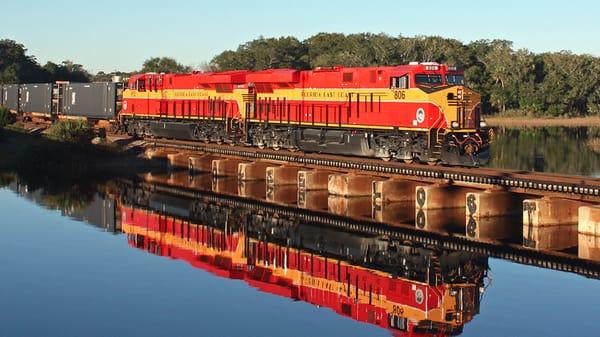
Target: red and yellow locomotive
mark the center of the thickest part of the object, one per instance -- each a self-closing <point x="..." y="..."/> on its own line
<point x="417" y="112"/>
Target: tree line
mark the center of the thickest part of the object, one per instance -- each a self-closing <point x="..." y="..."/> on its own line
<point x="18" y="67"/>
<point x="511" y="81"/>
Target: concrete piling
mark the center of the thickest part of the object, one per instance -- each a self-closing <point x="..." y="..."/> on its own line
<point x="550" y="223"/>
<point x="588" y="219"/>
<point x="492" y="203"/>
<point x="282" y="175"/>
<point x="178" y="160"/>
<point x="225" y="167"/>
<point x="200" y="163"/>
<point x="351" y="207"/>
<point x="350" y="185"/>
<point x="313" y="179"/>
<point x="252" y="171"/>
<point x="386" y="191"/>
<point x="438" y="196"/>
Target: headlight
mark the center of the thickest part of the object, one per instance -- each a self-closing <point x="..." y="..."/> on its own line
<point x="454" y="124"/>
<point x="482" y="124"/>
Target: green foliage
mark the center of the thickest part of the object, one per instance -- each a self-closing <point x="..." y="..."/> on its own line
<point x="67" y="71"/>
<point x="17" y="67"/>
<point x="555" y="84"/>
<point x="73" y="131"/>
<point x="283" y="52"/>
<point x="164" y="65"/>
<point x="5" y="117"/>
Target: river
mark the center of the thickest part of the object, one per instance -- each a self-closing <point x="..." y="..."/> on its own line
<point x="103" y="257"/>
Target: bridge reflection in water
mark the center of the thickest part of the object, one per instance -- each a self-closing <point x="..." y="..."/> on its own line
<point x="406" y="287"/>
<point x="416" y="279"/>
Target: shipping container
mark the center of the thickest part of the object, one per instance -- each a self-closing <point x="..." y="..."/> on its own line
<point x="91" y="100"/>
<point x="36" y="98"/>
<point x="11" y="96"/>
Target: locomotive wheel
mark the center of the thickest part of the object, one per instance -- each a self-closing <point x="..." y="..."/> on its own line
<point x="386" y="158"/>
<point x="261" y="146"/>
<point x="433" y="162"/>
<point x="409" y="161"/>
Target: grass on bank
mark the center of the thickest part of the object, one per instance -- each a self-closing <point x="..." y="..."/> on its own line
<point x="522" y="121"/>
<point x="6" y="117"/>
<point x="72" y="131"/>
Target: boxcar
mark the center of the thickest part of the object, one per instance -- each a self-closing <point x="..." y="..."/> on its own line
<point x="36" y="98"/>
<point x="90" y="100"/>
<point x="11" y="97"/>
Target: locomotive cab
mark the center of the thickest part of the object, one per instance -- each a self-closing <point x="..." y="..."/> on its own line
<point x="459" y="136"/>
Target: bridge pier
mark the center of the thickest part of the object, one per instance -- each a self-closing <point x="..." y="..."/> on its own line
<point x="225" y="167"/>
<point x="252" y="171"/>
<point x="387" y="191"/>
<point x="200" y="163"/>
<point x="588" y="227"/>
<point x="313" y="199"/>
<point x="178" y="160"/>
<point x="313" y="179"/>
<point x="588" y="246"/>
<point x="588" y="218"/>
<point x="282" y="175"/>
<point x="350" y="185"/>
<point x="493" y="203"/>
<point x="158" y="153"/>
<point x="351" y="207"/>
<point x="550" y="223"/>
<point x="430" y="197"/>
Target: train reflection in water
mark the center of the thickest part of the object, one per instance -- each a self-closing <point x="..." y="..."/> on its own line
<point x="408" y="288"/>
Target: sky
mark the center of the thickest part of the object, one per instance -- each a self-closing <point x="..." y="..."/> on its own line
<point x="119" y="35"/>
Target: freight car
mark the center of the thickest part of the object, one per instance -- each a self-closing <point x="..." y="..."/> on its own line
<point x="50" y="101"/>
<point x="416" y="112"/>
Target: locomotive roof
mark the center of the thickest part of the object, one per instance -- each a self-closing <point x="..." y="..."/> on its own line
<point x="316" y="74"/>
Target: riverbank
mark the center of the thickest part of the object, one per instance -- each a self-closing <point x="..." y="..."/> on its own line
<point x="41" y="156"/>
<point x="524" y="122"/>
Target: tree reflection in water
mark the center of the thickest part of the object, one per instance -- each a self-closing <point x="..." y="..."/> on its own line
<point x="556" y="150"/>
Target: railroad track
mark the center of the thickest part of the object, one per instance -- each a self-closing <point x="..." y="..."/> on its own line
<point x="535" y="183"/>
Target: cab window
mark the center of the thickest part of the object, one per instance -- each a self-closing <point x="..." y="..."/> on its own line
<point x="455" y="79"/>
<point x="428" y="79"/>
<point x="400" y="82"/>
<point x="141" y="85"/>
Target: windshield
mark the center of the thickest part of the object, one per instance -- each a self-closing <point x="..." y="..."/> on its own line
<point x="428" y="79"/>
<point x="455" y="79"/>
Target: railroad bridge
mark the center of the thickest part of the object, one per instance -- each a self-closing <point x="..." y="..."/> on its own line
<point x="558" y="212"/>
